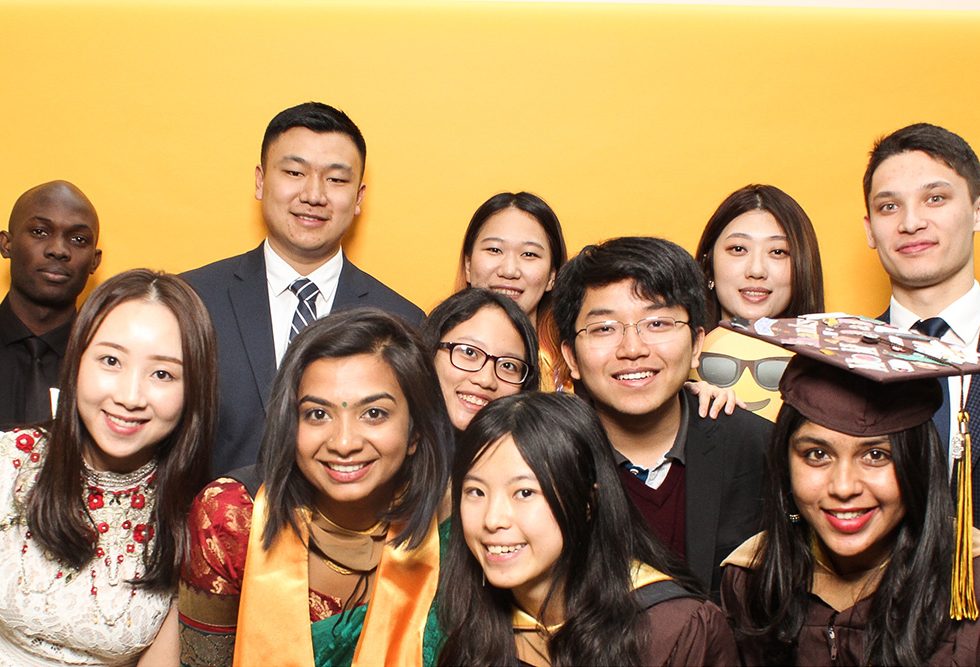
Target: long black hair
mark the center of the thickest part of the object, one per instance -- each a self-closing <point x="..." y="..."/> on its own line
<point x="424" y="475"/>
<point x="910" y="609"/>
<point x="55" y="513"/>
<point x="565" y="446"/>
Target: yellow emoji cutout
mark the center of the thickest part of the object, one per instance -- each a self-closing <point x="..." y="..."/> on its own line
<point x="750" y="366"/>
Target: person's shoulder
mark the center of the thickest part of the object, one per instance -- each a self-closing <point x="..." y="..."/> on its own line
<point x="22" y="447"/>
<point x="217" y="270"/>
<point x="220" y="496"/>
<point x="380" y="295"/>
<point x="747" y="425"/>
<point x="22" y="453"/>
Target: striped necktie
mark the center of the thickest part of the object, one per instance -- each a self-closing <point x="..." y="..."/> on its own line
<point x="306" y="291"/>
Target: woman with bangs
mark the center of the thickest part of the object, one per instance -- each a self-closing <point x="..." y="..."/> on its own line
<point x="549" y="564"/>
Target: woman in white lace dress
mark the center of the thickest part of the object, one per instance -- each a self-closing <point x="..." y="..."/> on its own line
<point x="93" y="505"/>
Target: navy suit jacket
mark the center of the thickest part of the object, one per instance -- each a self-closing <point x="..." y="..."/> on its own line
<point x="236" y="293"/>
<point x="974" y="435"/>
<point x="724" y="469"/>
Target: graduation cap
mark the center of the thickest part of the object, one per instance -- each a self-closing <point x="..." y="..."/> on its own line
<point x="865" y="378"/>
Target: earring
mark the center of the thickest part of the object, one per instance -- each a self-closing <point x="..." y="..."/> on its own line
<point x="794" y="518"/>
<point x="711" y="285"/>
<point x="484" y="574"/>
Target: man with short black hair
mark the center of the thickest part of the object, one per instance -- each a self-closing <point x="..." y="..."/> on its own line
<point x="922" y="193"/>
<point x="630" y="314"/>
<point x="309" y="183"/>
<point x="51" y="241"/>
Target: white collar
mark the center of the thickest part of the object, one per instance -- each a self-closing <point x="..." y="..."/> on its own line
<point x="962" y="316"/>
<point x="281" y="275"/>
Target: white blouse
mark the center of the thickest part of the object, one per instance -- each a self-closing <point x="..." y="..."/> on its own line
<point x="55" y="614"/>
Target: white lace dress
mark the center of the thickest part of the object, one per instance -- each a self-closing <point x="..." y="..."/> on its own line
<point x="55" y="614"/>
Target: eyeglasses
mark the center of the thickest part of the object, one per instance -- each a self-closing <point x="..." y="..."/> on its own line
<point x="722" y="370"/>
<point x="470" y="358"/>
<point x="610" y="332"/>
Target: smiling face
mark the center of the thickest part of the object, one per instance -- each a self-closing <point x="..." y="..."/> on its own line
<point x="632" y="378"/>
<point x="131" y="385"/>
<point x="922" y="222"/>
<point x="310" y="188"/>
<point x="846" y="489"/>
<point x="512" y="256"/>
<point x="467" y="392"/>
<point x="509" y="526"/>
<point x="752" y="267"/>
<point x="51" y="245"/>
<point x="352" y="436"/>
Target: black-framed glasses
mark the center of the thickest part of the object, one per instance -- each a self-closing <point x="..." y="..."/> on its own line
<point x="722" y="370"/>
<point x="609" y="333"/>
<point x="470" y="358"/>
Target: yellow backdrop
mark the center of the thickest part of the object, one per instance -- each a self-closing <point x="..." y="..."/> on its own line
<point x="628" y="119"/>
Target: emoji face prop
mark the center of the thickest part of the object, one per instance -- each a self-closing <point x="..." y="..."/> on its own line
<point x="750" y="366"/>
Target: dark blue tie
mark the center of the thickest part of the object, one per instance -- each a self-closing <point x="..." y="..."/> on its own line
<point x="937" y="328"/>
<point x="306" y="291"/>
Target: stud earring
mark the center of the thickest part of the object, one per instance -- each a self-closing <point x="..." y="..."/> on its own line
<point x="711" y="284"/>
<point x="794" y="518"/>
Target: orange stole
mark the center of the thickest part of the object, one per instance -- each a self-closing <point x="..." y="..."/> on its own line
<point x="274" y="613"/>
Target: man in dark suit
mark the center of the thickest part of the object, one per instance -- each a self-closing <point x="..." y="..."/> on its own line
<point x="922" y="192"/>
<point x="51" y="244"/>
<point x="310" y="186"/>
<point x="630" y="314"/>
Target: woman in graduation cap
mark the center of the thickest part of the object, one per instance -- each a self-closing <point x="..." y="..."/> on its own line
<point x="854" y="564"/>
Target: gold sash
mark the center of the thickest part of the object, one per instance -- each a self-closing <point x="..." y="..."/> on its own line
<point x="274" y="609"/>
<point x="274" y="612"/>
<point x="641" y="573"/>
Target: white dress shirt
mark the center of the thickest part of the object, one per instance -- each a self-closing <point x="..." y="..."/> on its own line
<point x="282" y="302"/>
<point x="963" y="318"/>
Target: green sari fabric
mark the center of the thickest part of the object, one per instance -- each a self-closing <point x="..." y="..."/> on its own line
<point x="335" y="638"/>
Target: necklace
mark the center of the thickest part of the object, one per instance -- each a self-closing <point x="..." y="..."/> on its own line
<point x="120" y="509"/>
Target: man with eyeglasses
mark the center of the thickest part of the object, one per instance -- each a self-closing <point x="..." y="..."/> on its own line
<point x="630" y="314"/>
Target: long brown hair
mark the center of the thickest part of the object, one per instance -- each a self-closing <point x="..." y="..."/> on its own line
<point x="183" y="456"/>
<point x="807" y="273"/>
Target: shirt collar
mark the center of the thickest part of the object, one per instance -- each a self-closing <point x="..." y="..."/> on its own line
<point x="962" y="316"/>
<point x="12" y="330"/>
<point x="281" y="275"/>
<point x="680" y="440"/>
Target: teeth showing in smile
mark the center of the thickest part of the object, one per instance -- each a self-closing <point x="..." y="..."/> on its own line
<point x="850" y="515"/>
<point x="498" y="549"/>
<point x="639" y="375"/>
<point x="125" y="423"/>
<point x="473" y="400"/>
<point x="506" y="291"/>
<point x="351" y="467"/>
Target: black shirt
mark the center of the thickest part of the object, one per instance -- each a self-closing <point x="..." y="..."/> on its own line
<point x="15" y="364"/>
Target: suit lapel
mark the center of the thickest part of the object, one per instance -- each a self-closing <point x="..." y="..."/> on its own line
<point x="249" y="297"/>
<point x="351" y="287"/>
<point x="704" y="470"/>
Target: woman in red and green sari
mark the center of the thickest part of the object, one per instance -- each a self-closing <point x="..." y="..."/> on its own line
<point x="354" y="461"/>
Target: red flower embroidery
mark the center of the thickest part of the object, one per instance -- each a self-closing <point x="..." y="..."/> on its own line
<point x="35" y="457"/>
<point x="138" y="500"/>
<point x="143" y="533"/>
<point x="103" y="527"/>
<point x="95" y="501"/>
<point x="130" y="548"/>
<point x="24" y="442"/>
<point x="127" y="524"/>
<point x="99" y="552"/>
